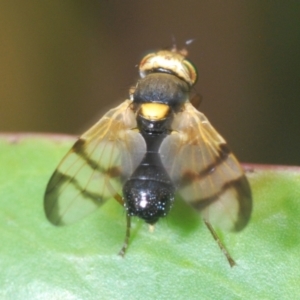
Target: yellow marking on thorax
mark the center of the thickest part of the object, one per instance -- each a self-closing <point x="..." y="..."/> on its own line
<point x="154" y="111"/>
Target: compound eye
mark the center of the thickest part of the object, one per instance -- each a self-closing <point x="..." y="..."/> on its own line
<point x="191" y="71"/>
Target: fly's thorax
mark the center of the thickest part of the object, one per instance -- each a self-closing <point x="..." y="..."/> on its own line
<point x="162" y="88"/>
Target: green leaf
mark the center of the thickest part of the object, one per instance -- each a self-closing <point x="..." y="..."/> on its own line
<point x="180" y="260"/>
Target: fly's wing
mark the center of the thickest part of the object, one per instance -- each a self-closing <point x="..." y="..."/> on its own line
<point x="95" y="168"/>
<point x="206" y="173"/>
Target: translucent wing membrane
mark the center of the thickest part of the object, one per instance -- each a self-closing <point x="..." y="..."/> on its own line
<point x="207" y="174"/>
<point x="95" y="168"/>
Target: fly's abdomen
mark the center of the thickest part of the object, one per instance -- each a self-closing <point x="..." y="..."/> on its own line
<point x="149" y="193"/>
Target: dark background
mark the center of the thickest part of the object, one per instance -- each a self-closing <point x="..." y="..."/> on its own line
<point x="64" y="63"/>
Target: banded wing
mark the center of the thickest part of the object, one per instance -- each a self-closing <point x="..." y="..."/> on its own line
<point x="207" y="174"/>
<point x="94" y="169"/>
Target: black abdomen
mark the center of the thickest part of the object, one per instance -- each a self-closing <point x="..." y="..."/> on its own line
<point x="149" y="193"/>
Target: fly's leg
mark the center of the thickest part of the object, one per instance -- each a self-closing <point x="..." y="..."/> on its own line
<point x="128" y="225"/>
<point x="221" y="246"/>
<point x="127" y="235"/>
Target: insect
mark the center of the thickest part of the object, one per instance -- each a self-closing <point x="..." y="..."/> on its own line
<point x="150" y="147"/>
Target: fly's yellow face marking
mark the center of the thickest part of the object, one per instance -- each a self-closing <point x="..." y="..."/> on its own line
<point x="154" y="111"/>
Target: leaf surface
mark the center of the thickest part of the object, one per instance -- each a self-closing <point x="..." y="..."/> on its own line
<point x="179" y="260"/>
